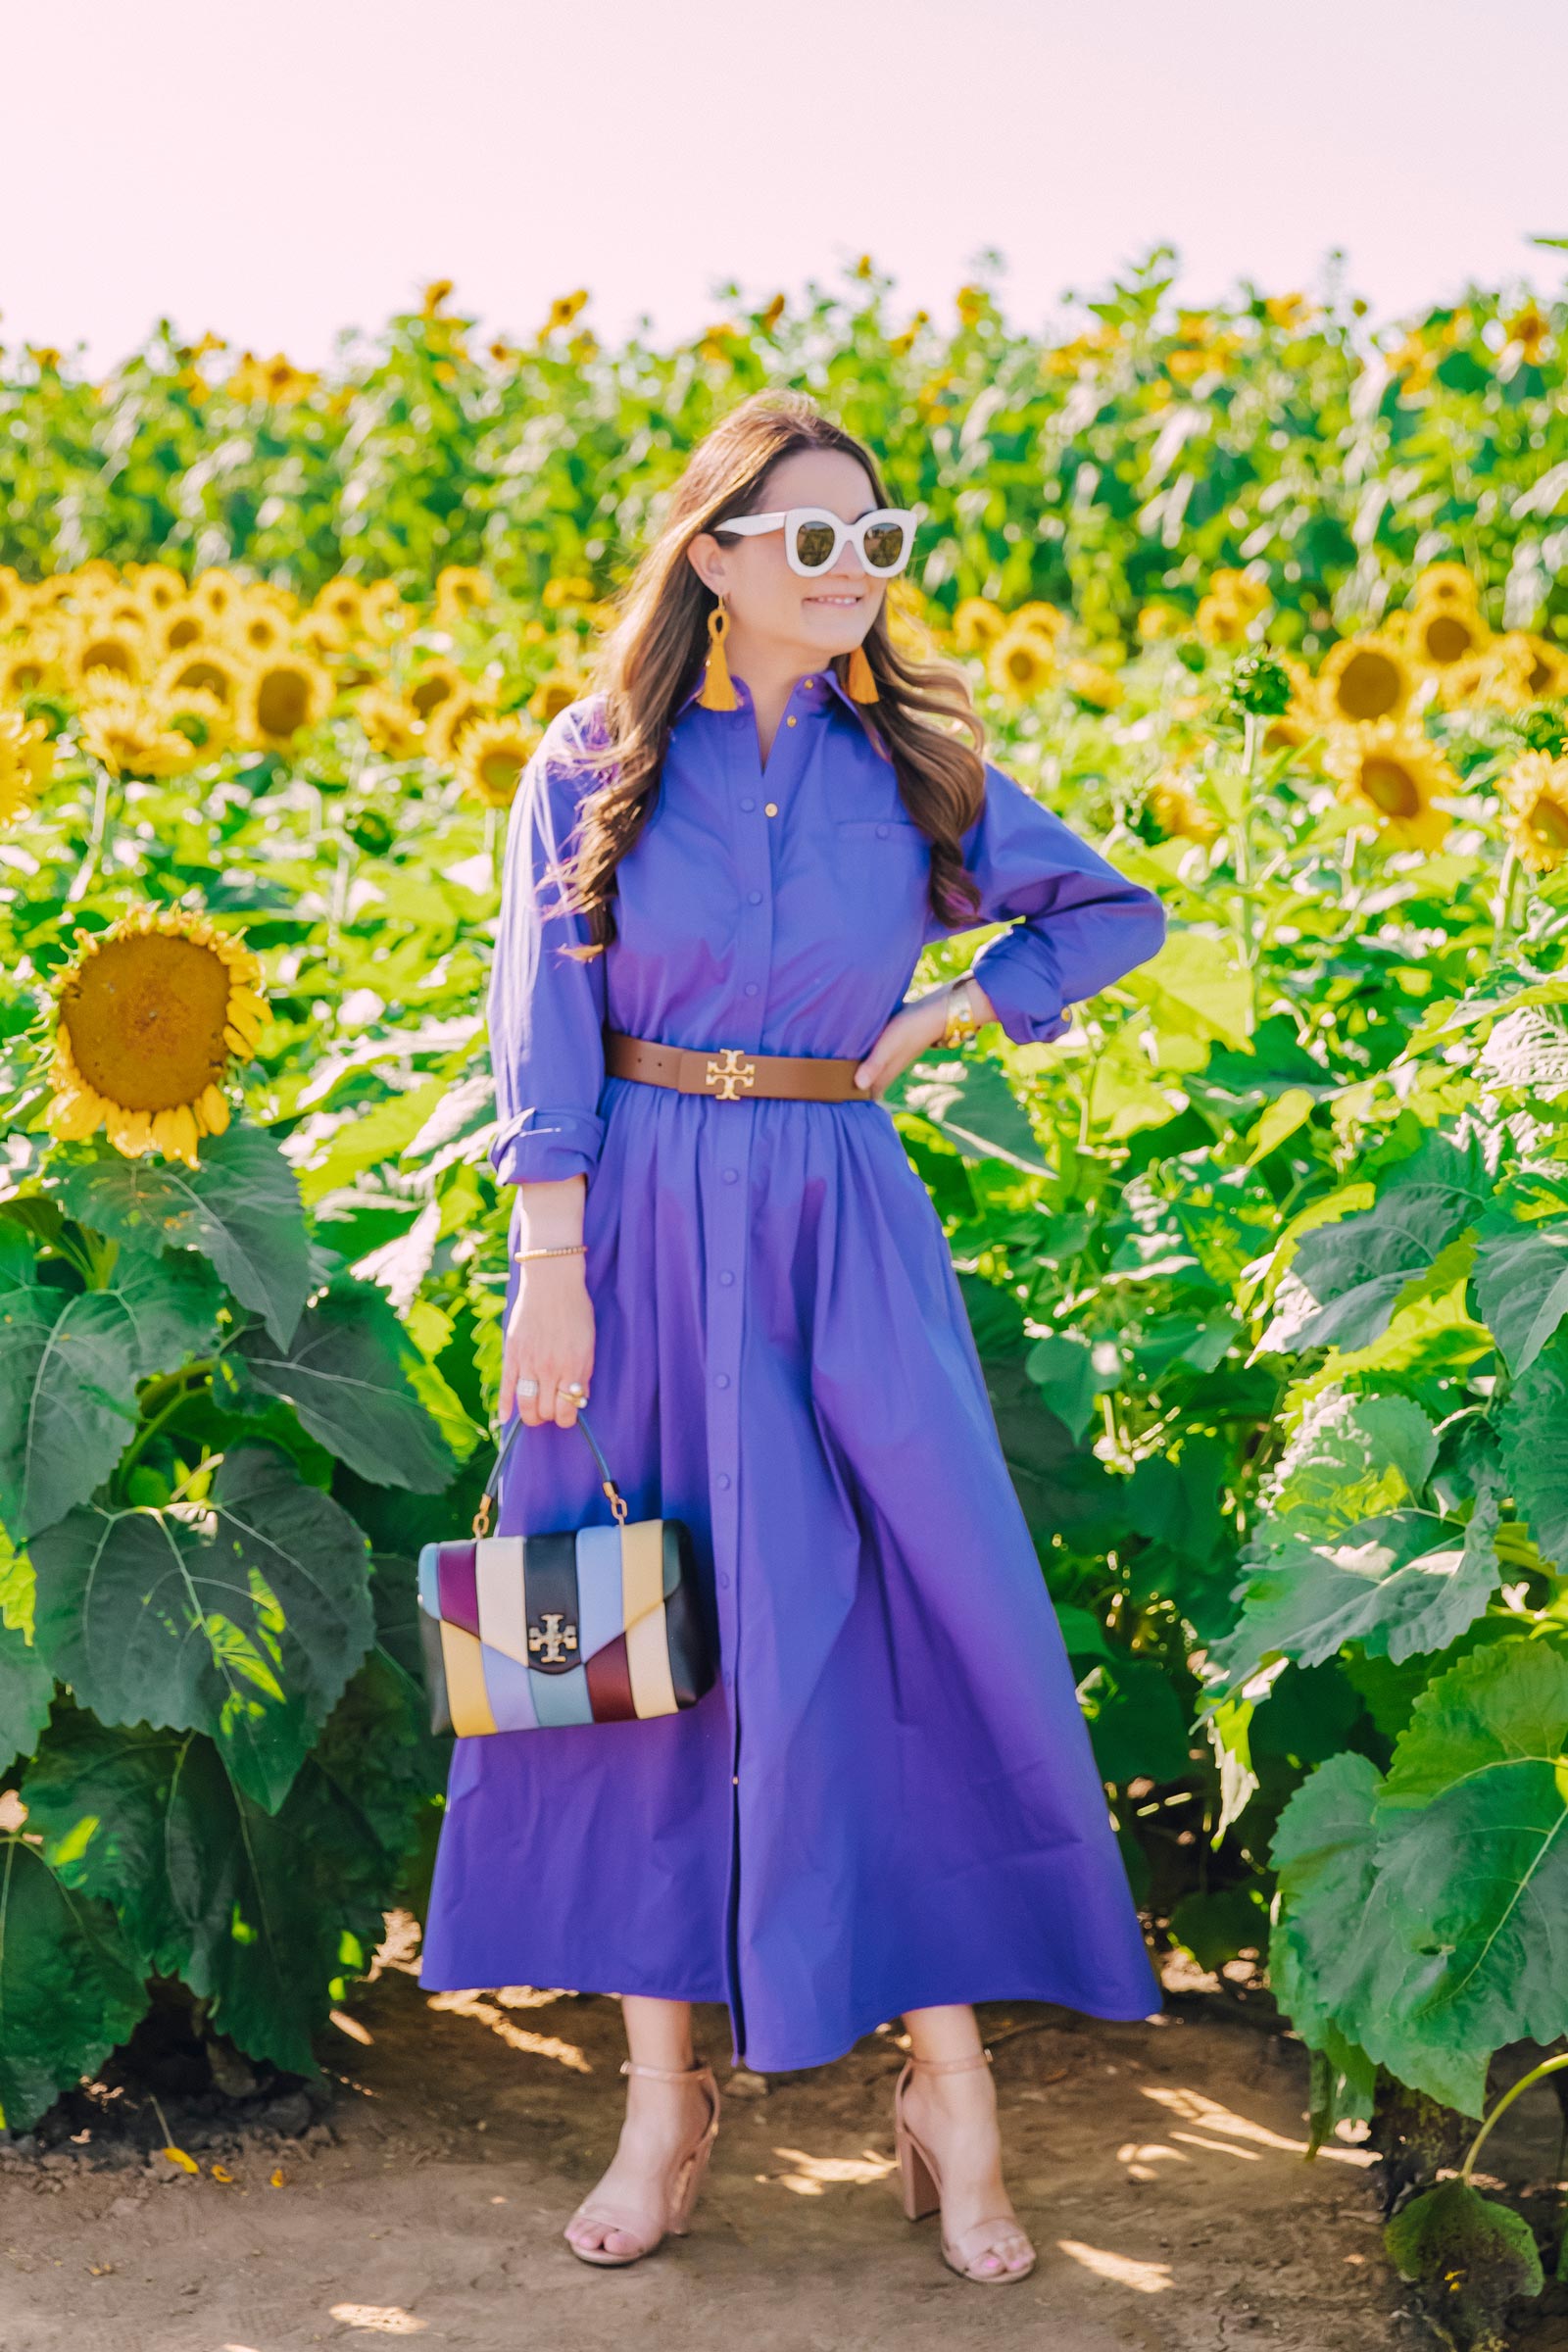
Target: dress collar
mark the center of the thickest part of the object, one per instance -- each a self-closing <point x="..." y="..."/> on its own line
<point x="813" y="693"/>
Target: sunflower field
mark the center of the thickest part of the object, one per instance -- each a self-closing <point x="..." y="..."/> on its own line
<point x="1267" y="1260"/>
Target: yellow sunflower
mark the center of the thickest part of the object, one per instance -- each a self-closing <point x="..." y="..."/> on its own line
<point x="106" y="645"/>
<point x="385" y="611"/>
<point x="129" y="735"/>
<point x="212" y="668"/>
<point x="1047" y="620"/>
<point x="1177" y="810"/>
<point x="27" y="763"/>
<point x="572" y="589"/>
<point x="15" y="601"/>
<point x="261" y="625"/>
<point x="158" y="586"/>
<point x="492" y="755"/>
<point x="1535" y="794"/>
<point x="1496" y="679"/>
<point x="343" y="601"/>
<point x="29" y="667"/>
<point x="977" y="624"/>
<point x="1365" y="678"/>
<point x="1221" y="620"/>
<point x="1093" y="683"/>
<point x="1240" y="589"/>
<point x="182" y="626"/>
<point x="1391" y="770"/>
<point x="282" y="695"/>
<point x="389" y="724"/>
<point x="1021" y="663"/>
<point x="459" y="591"/>
<point x="455" y="719"/>
<point x="148" y="1015"/>
<point x="216" y="593"/>
<point x="554" y="693"/>
<point x="1445" y="584"/>
<point x="207" y="724"/>
<point x="1547" y="677"/>
<point x="563" y="310"/>
<point x="1529" y="333"/>
<point x="1441" y="633"/>
<point x="434" y="685"/>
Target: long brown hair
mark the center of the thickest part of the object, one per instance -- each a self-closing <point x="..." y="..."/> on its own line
<point x="655" y="658"/>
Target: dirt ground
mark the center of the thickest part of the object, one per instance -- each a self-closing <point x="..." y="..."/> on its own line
<point x="1159" y="2167"/>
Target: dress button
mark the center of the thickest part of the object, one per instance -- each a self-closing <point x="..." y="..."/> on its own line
<point x="722" y="1380"/>
<point x="751" y="988"/>
<point x="723" y="1574"/>
<point x="726" y="1278"/>
<point x="748" y="802"/>
<point x="729" y="1174"/>
<point x="788" y="722"/>
<point x="882" y="832"/>
<point x="772" y="808"/>
<point x="722" y="1480"/>
<point x="808" y="681"/>
<point x="756" y="896"/>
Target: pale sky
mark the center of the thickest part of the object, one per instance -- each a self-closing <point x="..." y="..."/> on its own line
<point x="281" y="169"/>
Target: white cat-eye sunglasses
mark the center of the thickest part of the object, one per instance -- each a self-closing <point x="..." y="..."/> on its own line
<point x="812" y="536"/>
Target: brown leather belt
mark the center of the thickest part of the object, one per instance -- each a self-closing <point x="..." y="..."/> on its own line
<point x="732" y="1074"/>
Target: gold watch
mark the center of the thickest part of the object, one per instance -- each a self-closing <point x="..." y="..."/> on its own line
<point x="962" y="1020"/>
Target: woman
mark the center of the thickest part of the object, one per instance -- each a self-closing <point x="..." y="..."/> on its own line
<point x="888" y="1803"/>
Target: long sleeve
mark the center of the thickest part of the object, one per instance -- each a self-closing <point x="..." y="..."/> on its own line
<point x="545" y="1008"/>
<point x="1077" y="924"/>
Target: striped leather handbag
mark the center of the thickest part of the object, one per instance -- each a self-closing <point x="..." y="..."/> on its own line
<point x="590" y="1624"/>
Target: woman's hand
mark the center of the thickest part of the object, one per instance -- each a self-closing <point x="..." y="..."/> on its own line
<point x="913" y="1031"/>
<point x="549" y="1339"/>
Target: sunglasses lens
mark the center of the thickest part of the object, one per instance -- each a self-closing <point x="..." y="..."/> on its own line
<point x="884" y="546"/>
<point x="813" y="544"/>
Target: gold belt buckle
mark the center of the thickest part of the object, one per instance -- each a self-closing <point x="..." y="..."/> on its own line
<point x="727" y="1071"/>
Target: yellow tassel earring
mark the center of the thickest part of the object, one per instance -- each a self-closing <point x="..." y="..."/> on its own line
<point x="860" y="682"/>
<point x="718" y="692"/>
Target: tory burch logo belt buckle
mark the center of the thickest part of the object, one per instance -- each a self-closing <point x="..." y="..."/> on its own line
<point x="727" y="1071"/>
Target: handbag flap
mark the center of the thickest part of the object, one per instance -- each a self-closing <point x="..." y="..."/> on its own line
<point x="554" y="1601"/>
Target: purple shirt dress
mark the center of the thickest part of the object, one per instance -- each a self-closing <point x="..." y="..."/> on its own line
<point x="888" y="1799"/>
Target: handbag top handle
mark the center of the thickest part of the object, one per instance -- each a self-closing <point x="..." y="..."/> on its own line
<point x="481" y="1517"/>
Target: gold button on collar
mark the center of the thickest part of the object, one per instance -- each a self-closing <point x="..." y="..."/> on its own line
<point x="772" y="807"/>
<point x="790" y="721"/>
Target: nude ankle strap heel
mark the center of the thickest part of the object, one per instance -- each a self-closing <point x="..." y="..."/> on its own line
<point x="684" y="2177"/>
<point x="921" y="2176"/>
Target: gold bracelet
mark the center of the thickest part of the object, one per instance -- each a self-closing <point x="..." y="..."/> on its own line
<point x="556" y="1249"/>
<point x="961" y="1023"/>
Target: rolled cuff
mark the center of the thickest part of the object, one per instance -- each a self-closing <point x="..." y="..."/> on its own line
<point x="542" y="1146"/>
<point x="1027" y="999"/>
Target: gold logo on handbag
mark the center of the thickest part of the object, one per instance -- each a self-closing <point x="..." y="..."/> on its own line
<point x="550" y="1640"/>
<point x="600" y="1624"/>
<point x="729" y="1072"/>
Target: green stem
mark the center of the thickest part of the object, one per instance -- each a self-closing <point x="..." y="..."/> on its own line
<point x="167" y="1396"/>
<point x="1537" y="2073"/>
<point x="83" y="879"/>
<point x="1251" y="746"/>
<point x="1507" y="907"/>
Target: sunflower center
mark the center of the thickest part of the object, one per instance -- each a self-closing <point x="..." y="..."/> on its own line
<point x="283" y="702"/>
<point x="1390" y="787"/>
<point x="182" y="633"/>
<point x="1369" y="686"/>
<point x="1549" y="821"/>
<point x="145" y="1017"/>
<point x="108" y="652"/>
<point x="1448" y="638"/>
<point x="498" y="770"/>
<point x="429" y="693"/>
<point x="208" y="675"/>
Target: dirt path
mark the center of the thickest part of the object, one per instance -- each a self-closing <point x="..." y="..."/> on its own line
<point x="1159" y="2167"/>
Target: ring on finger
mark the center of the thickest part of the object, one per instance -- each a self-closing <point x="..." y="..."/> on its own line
<point x="527" y="1388"/>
